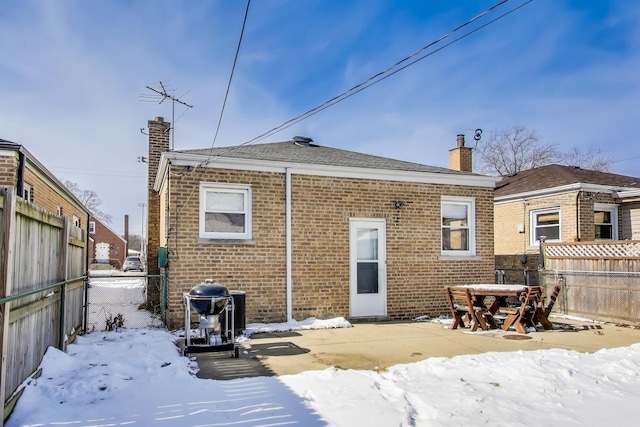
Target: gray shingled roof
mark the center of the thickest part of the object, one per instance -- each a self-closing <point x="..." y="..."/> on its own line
<point x="292" y="152"/>
<point x="551" y="176"/>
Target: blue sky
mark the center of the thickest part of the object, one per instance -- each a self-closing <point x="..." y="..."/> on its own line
<point x="72" y="74"/>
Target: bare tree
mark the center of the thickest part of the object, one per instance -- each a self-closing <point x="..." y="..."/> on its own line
<point x="135" y="242"/>
<point x="90" y="199"/>
<point x="517" y="148"/>
<point x="514" y="149"/>
<point x="590" y="158"/>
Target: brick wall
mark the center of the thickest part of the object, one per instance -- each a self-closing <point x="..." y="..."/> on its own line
<point x="321" y="208"/>
<point x="8" y="165"/>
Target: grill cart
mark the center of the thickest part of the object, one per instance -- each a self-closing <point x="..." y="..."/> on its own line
<point x="215" y="308"/>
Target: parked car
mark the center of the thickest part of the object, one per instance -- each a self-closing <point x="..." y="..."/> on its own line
<point x="133" y="263"/>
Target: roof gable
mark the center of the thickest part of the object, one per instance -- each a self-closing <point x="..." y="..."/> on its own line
<point x="554" y="175"/>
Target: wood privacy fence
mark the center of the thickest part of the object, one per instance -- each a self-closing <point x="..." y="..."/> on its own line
<point x="599" y="279"/>
<point x="42" y="287"/>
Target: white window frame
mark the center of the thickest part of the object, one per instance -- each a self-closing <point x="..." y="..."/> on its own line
<point x="533" y="215"/>
<point x="613" y="210"/>
<point x="92" y="227"/>
<point x="245" y="190"/>
<point x="470" y="204"/>
<point x="27" y="192"/>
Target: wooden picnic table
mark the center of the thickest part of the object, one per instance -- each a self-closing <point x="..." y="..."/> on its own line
<point x="528" y="312"/>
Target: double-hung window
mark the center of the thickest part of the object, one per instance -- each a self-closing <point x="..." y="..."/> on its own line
<point x="605" y="220"/>
<point x="458" y="225"/>
<point x="545" y="222"/>
<point x="225" y="211"/>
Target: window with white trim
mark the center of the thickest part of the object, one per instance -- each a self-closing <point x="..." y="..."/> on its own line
<point x="225" y="211"/>
<point x="605" y="220"/>
<point x="27" y="192"/>
<point x="92" y="227"/>
<point x="545" y="222"/>
<point x="458" y="225"/>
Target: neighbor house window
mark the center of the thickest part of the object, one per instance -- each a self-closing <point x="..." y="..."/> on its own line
<point x="27" y="193"/>
<point x="545" y="222"/>
<point x="225" y="211"/>
<point x="605" y="220"/>
<point x="458" y="225"/>
<point x="92" y="227"/>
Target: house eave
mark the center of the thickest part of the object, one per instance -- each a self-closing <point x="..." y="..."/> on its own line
<point x="626" y="196"/>
<point x="563" y="189"/>
<point x="197" y="161"/>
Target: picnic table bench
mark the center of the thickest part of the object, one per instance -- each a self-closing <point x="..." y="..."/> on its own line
<point x="467" y="302"/>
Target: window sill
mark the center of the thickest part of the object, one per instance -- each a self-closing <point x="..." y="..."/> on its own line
<point x="207" y="241"/>
<point x="459" y="258"/>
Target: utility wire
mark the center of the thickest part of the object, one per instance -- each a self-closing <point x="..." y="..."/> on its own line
<point x="372" y="80"/>
<point x="235" y="60"/>
<point x="387" y="72"/>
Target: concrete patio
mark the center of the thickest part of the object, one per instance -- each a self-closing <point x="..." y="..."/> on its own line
<point x="376" y="346"/>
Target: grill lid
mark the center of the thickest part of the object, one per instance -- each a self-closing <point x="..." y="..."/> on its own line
<point x="214" y="299"/>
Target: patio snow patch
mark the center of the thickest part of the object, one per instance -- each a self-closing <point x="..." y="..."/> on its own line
<point x="294" y="325"/>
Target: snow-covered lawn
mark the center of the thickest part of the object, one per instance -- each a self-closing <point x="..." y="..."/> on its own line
<point x="138" y="378"/>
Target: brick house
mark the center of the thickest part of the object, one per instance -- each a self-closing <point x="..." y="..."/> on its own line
<point x="307" y="230"/>
<point x="105" y="245"/>
<point x="565" y="204"/>
<point x="35" y="184"/>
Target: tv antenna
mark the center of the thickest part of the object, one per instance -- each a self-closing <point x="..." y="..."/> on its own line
<point x="162" y="95"/>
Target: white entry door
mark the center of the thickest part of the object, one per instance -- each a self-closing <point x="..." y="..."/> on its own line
<point x="368" y="267"/>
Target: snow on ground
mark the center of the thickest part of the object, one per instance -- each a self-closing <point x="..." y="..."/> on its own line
<point x="137" y="377"/>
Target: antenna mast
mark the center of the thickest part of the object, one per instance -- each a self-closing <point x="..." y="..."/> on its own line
<point x="164" y="95"/>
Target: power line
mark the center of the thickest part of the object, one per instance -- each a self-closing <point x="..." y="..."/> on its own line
<point x="628" y="158"/>
<point x="377" y="78"/>
<point x="233" y="67"/>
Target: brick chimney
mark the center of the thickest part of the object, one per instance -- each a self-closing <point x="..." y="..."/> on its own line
<point x="159" y="131"/>
<point x="460" y="157"/>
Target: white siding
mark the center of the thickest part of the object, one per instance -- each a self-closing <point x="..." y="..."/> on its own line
<point x="631" y="221"/>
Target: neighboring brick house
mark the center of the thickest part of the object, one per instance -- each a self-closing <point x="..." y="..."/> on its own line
<point x="307" y="230"/>
<point x="629" y="201"/>
<point x="34" y="183"/>
<point x="565" y="204"/>
<point x="105" y="245"/>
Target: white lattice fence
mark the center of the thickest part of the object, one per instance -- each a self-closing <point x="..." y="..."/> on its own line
<point x="594" y="250"/>
<point x="599" y="280"/>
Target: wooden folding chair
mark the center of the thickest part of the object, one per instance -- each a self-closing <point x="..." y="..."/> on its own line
<point x="522" y="316"/>
<point x="462" y="308"/>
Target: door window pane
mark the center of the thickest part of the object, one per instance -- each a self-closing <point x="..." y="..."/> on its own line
<point x="367" y="278"/>
<point x="367" y="244"/>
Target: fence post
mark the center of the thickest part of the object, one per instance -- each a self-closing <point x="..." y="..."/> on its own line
<point x="62" y="277"/>
<point x="7" y="242"/>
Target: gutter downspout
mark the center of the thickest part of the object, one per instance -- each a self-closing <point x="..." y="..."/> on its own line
<point x="288" y="242"/>
<point x="578" y="237"/>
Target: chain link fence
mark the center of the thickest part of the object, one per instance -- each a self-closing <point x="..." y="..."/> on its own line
<point x="122" y="302"/>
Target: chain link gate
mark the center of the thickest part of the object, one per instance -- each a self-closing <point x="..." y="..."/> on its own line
<point x="124" y="301"/>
